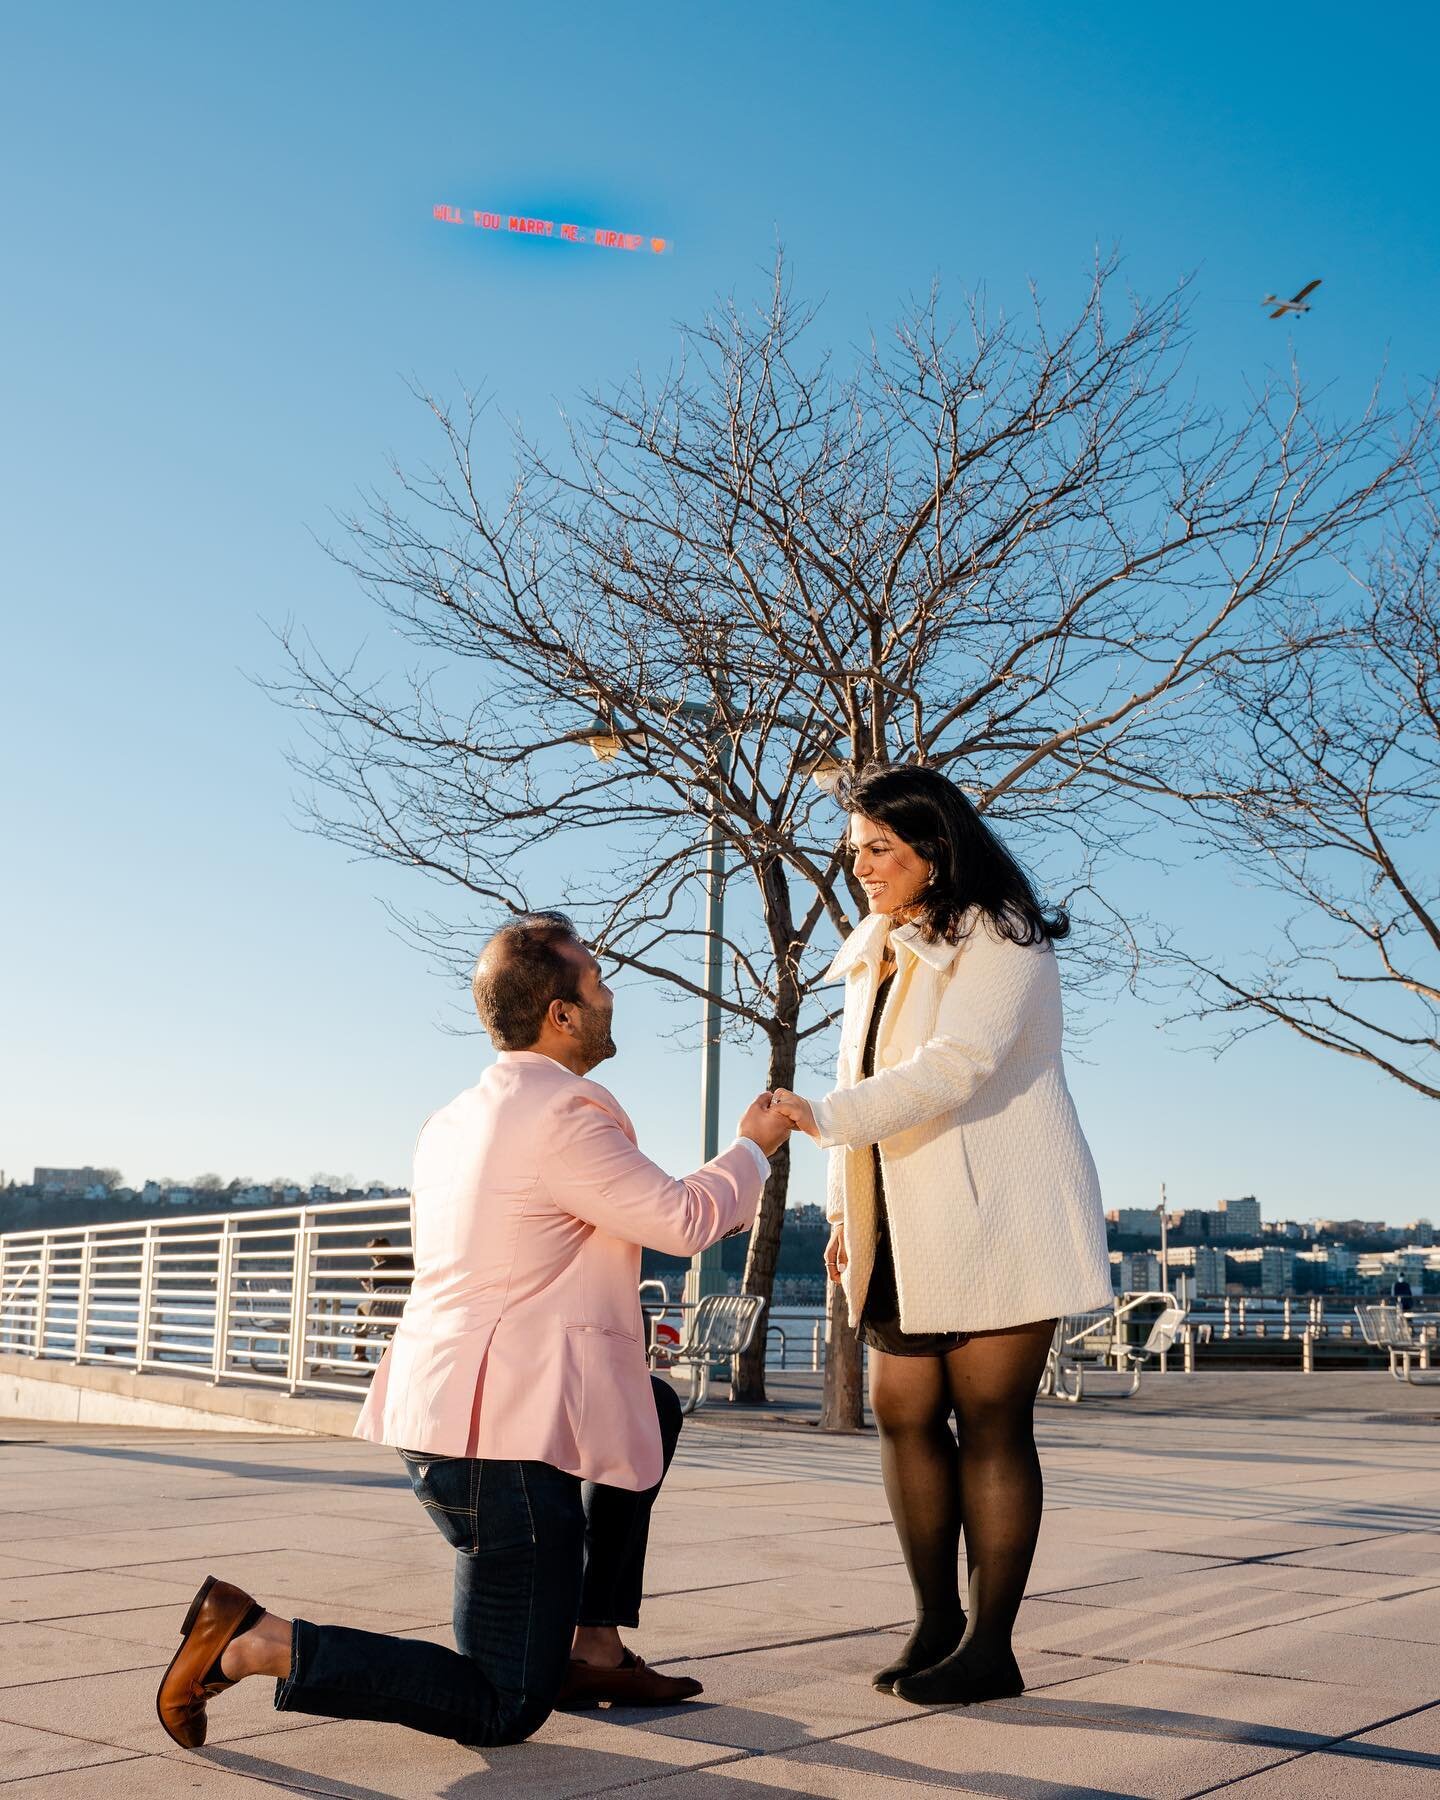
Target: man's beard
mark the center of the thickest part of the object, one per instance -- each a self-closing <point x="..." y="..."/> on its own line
<point x="596" y="1043"/>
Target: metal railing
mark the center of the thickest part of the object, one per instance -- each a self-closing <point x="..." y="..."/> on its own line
<point x="290" y="1296"/>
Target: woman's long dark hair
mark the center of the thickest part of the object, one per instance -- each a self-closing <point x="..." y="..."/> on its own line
<point x="971" y="867"/>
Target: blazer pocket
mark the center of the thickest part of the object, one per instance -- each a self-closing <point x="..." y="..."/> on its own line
<point x="609" y="1331"/>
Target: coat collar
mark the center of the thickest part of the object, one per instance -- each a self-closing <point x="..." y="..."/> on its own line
<point x="867" y="941"/>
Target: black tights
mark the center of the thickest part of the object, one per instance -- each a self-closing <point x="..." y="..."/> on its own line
<point x="988" y="1484"/>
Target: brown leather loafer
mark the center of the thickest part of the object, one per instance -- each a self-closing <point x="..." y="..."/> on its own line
<point x="634" y="1683"/>
<point x="217" y="1614"/>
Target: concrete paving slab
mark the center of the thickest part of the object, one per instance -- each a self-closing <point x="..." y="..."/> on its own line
<point x="153" y="1777"/>
<point x="40" y="1597"/>
<point x="1298" y="1652"/>
<point x="1240" y="1708"/>
<point x="1412" y="1617"/>
<point x="1414" y="1553"/>
<point x="333" y="1533"/>
<point x="31" y="1653"/>
<point x="119" y="1710"/>
<point x="1324" y="1776"/>
<point x="358" y="1761"/>
<point x="26" y="1753"/>
<point x="1416" y="1737"/>
<point x="1024" y="1750"/>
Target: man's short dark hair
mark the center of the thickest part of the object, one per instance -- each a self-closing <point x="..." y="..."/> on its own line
<point x="521" y="970"/>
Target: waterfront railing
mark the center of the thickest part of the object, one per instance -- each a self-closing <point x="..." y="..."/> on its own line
<point x="296" y="1298"/>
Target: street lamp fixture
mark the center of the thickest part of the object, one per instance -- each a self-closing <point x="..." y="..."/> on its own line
<point x="606" y="740"/>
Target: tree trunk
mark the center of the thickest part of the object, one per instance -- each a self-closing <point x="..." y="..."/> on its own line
<point x="748" y="1388"/>
<point x="842" y="1407"/>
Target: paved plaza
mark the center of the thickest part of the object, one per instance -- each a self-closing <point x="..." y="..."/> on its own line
<point x="1237" y="1591"/>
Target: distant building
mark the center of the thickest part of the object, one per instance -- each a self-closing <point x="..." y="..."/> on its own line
<point x="1196" y="1223"/>
<point x="1137" y="1221"/>
<point x="1277" y="1271"/>
<point x="1140" y="1272"/>
<point x="1348" y="1229"/>
<point x="1240" y="1218"/>
<point x="1210" y="1274"/>
<point x="1421" y="1232"/>
<point x="71" y="1184"/>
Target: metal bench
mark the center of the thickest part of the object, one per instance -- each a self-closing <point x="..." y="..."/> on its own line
<point x="1405" y="1338"/>
<point x="722" y="1326"/>
<point x="1094" y="1342"/>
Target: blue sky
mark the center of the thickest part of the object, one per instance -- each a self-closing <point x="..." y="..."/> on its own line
<point x="220" y="271"/>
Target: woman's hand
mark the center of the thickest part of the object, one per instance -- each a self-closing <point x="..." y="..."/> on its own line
<point x="798" y="1111"/>
<point x="837" y="1257"/>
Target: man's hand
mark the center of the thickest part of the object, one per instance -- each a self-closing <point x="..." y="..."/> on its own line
<point x="798" y="1111"/>
<point x="764" y="1124"/>
<point x="837" y="1257"/>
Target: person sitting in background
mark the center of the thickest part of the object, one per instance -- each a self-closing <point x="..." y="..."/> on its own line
<point x="398" y="1266"/>
<point x="515" y="1386"/>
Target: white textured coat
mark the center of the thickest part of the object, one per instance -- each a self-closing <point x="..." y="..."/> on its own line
<point x="991" y="1191"/>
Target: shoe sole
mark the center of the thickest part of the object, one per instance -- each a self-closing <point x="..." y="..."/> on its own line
<point x="185" y="1630"/>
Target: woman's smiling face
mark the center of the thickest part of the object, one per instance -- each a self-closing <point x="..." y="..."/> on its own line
<point x="891" y="873"/>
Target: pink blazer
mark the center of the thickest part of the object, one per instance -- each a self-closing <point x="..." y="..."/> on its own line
<point x="522" y="1338"/>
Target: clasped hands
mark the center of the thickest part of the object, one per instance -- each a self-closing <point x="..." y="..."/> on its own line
<point x="770" y="1118"/>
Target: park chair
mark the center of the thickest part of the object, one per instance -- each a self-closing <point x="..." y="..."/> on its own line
<point x="722" y="1326"/>
<point x="1393" y="1330"/>
<point x="1095" y="1342"/>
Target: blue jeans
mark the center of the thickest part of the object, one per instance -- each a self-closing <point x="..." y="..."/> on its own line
<point x="537" y="1552"/>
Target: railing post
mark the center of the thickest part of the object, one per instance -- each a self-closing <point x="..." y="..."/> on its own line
<point x="1189" y="1349"/>
<point x="147" y="1284"/>
<point x="299" y="1300"/>
<point x="815" y="1348"/>
<point x="1242" y="1318"/>
<point x="1307" y="1350"/>
<point x="42" y="1295"/>
<point x="224" y="1272"/>
<point x="82" y="1299"/>
<point x="1287" y="1319"/>
<point x="1226" y="1331"/>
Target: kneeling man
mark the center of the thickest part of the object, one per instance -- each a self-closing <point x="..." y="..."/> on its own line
<point x="515" y="1388"/>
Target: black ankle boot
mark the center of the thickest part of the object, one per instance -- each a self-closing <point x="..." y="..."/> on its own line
<point x="964" y="1679"/>
<point x="927" y="1645"/>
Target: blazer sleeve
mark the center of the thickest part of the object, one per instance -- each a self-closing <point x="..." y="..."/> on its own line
<point x="994" y="985"/>
<point x="596" y="1172"/>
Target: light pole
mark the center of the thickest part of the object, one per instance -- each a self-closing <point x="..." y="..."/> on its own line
<point x="705" y="1274"/>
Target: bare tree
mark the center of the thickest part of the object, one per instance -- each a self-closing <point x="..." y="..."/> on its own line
<point x="1330" y="797"/>
<point x="1009" y="554"/>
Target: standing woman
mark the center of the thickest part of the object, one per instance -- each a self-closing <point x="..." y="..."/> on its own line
<point x="964" y="1207"/>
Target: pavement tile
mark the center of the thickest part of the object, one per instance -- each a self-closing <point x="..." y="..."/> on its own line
<point x="119" y="1709"/>
<point x="1023" y="1750"/>
<point x="68" y="1594"/>
<point x="143" y="1778"/>
<point x="173" y="1541"/>
<point x="42" y="1653"/>
<point x="40" y="1755"/>
<point x="1414" y="1553"/>
<point x="761" y="1777"/>
<point x="159" y="1626"/>
<point x="1416" y="1736"/>
<point x="1412" y="1617"/>
<point x="1241" y="1708"/>
<point x="1300" y="1652"/>
<point x="1327" y="1777"/>
<point x="362" y="1761"/>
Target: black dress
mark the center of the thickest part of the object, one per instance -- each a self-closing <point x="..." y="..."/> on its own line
<point x="880" y="1317"/>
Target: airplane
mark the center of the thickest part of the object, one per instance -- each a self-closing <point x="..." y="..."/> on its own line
<point x="1290" y="306"/>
